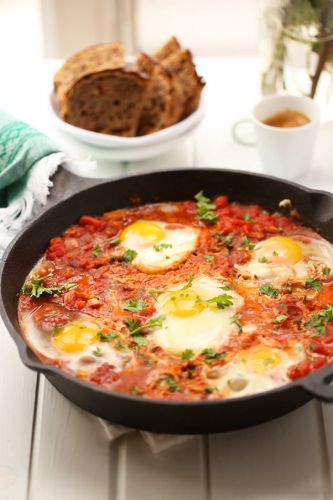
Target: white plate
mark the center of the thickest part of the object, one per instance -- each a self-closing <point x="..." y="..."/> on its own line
<point x="131" y="148"/>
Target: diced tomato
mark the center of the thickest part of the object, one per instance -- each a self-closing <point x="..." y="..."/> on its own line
<point x="305" y="367"/>
<point x="87" y="220"/>
<point x="221" y="201"/>
<point x="56" y="249"/>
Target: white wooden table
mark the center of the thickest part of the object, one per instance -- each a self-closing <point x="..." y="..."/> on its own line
<point x="51" y="450"/>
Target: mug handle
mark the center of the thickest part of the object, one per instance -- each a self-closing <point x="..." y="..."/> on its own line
<point x="236" y="129"/>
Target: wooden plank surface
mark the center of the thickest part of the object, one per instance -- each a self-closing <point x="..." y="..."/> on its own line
<point x="278" y="460"/>
<point x="17" y="396"/>
<point x="70" y="459"/>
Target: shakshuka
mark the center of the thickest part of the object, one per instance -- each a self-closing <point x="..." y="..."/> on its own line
<point x="194" y="300"/>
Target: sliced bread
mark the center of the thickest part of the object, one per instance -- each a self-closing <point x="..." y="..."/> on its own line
<point x="157" y="111"/>
<point x="187" y="84"/>
<point x="96" y="58"/>
<point x="108" y="101"/>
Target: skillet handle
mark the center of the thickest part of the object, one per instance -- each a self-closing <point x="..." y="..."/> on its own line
<point x="319" y="384"/>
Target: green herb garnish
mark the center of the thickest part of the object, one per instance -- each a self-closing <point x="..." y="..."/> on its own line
<point x="221" y="301"/>
<point x="107" y="337"/>
<point x="97" y="352"/>
<point x="319" y="319"/>
<point x="312" y="284"/>
<point x="269" y="290"/>
<point x="35" y="287"/>
<point x="135" y="328"/>
<point x="162" y="246"/>
<point x="209" y="258"/>
<point x="248" y="218"/>
<point x="114" y="241"/>
<point x="140" y="340"/>
<point x="187" y="354"/>
<point x="57" y="330"/>
<point x="326" y="271"/>
<point x="129" y="255"/>
<point x="225" y="239"/>
<point x="96" y="251"/>
<point x="189" y="283"/>
<point x="171" y="383"/>
<point x="264" y="260"/>
<point x="134" y="305"/>
<point x="121" y="346"/>
<point x="135" y="391"/>
<point x="280" y="318"/>
<point x="205" y="209"/>
<point x="235" y="320"/>
<point x="211" y="355"/>
<point x="246" y="243"/>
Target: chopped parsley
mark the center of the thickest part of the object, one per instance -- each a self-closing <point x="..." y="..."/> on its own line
<point x="326" y="271"/>
<point x="221" y="301"/>
<point x="134" y="305"/>
<point x="162" y="246"/>
<point x="135" y="328"/>
<point x="248" y="218"/>
<point x="209" y="258"/>
<point x="312" y="284"/>
<point x="107" y="337"/>
<point x="264" y="260"/>
<point x="280" y="318"/>
<point x="97" y="352"/>
<point x="211" y="355"/>
<point x="235" y="320"/>
<point x="114" y="242"/>
<point x="189" y="283"/>
<point x="96" y="251"/>
<point x="172" y="384"/>
<point x="269" y="290"/>
<point x="135" y="391"/>
<point x="225" y="240"/>
<point x="121" y="346"/>
<point x="35" y="287"/>
<point x="319" y="319"/>
<point x="57" y="330"/>
<point x="187" y="354"/>
<point x="129" y="255"/>
<point x="247" y="244"/>
<point x="140" y="340"/>
<point x="209" y="390"/>
<point x="205" y="209"/>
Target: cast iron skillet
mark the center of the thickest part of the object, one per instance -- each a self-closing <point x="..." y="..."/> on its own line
<point x="316" y="209"/>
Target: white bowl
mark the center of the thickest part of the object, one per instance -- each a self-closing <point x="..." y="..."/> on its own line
<point x="131" y="148"/>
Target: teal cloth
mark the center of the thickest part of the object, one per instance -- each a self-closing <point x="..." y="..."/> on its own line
<point x="21" y="146"/>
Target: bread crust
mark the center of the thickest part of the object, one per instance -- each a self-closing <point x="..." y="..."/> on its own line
<point x="107" y="101"/>
<point x="95" y="58"/>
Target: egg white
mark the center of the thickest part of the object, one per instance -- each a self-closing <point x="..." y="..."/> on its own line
<point x="84" y="361"/>
<point x="317" y="253"/>
<point x="246" y="374"/>
<point x="209" y="328"/>
<point x="178" y="242"/>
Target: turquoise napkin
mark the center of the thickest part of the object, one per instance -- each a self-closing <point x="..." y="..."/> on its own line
<point x="28" y="158"/>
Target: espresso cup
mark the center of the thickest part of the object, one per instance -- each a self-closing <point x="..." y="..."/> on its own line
<point x="284" y="152"/>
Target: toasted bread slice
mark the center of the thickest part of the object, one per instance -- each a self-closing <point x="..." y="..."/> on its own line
<point x="96" y="58"/>
<point x="170" y="47"/>
<point x="157" y="111"/>
<point x="188" y="85"/>
<point x="108" y="101"/>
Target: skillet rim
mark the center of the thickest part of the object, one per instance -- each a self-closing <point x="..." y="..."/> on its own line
<point x="46" y="369"/>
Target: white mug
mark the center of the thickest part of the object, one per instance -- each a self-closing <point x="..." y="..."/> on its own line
<point x="284" y="152"/>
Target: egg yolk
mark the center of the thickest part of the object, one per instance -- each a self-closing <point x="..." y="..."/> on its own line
<point x="280" y="250"/>
<point x="148" y="231"/>
<point x="260" y="359"/>
<point x="74" y="337"/>
<point x="183" y="303"/>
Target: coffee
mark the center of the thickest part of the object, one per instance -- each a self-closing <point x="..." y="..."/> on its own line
<point x="287" y="119"/>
